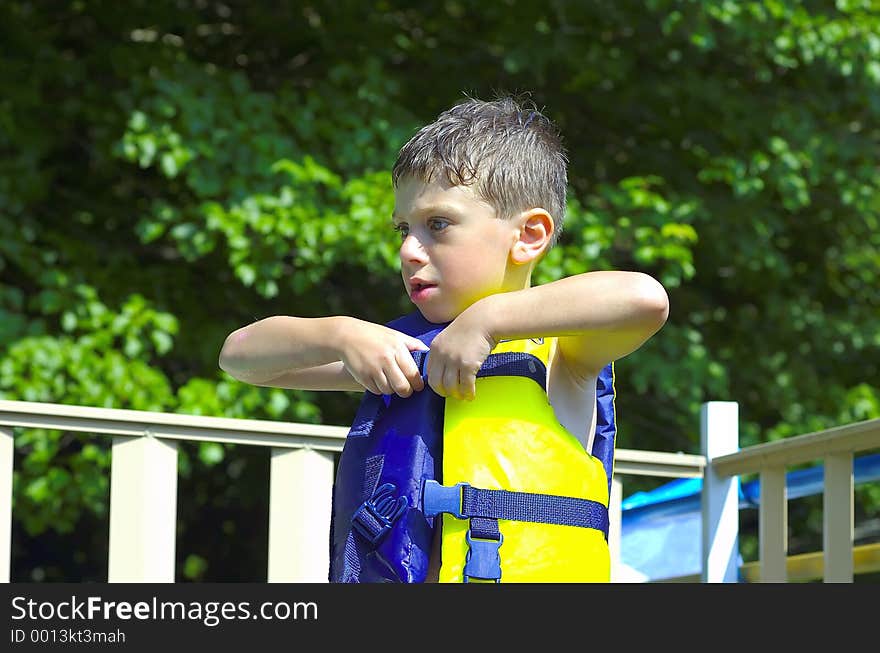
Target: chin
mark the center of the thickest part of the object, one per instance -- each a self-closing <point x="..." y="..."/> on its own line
<point x="436" y="317"/>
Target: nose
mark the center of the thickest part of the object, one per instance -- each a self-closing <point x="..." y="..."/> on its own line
<point x="412" y="250"/>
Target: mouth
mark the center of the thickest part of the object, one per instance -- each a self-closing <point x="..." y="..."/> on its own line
<point x="420" y="290"/>
<point x="415" y="284"/>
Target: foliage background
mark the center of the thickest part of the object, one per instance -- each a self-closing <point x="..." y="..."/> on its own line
<point x="170" y="171"/>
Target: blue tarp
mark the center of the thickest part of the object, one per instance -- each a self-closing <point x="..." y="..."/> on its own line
<point x="661" y="529"/>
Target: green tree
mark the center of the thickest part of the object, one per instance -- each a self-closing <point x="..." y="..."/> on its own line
<point x="171" y="171"/>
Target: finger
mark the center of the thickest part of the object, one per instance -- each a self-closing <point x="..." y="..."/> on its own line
<point x="451" y="382"/>
<point x="414" y="344"/>
<point x="398" y="380"/>
<point x="411" y="372"/>
<point x="367" y="384"/>
<point x="469" y="386"/>
<point x="382" y="384"/>
<point x="371" y="387"/>
<point x="435" y="377"/>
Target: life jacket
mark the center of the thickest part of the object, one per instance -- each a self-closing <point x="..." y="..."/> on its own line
<point x="508" y="481"/>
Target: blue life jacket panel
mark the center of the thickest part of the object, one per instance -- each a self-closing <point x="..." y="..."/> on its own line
<point x="392" y="464"/>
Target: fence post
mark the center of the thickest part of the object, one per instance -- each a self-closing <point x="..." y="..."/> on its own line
<point x="719" y="435"/>
<point x="143" y="510"/>
<point x="7" y="453"/>
<point x="773" y="525"/>
<point x="300" y="494"/>
<point x="838" y="519"/>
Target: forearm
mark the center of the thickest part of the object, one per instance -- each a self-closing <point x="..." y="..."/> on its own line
<point x="276" y="345"/>
<point x="578" y="305"/>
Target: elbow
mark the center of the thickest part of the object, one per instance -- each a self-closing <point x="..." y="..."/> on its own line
<point x="653" y="302"/>
<point x="230" y="359"/>
<point x="223" y="361"/>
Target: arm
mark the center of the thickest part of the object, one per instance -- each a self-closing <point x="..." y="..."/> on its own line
<point x="331" y="353"/>
<point x="598" y="317"/>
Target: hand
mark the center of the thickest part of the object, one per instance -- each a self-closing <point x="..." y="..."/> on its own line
<point x="379" y="358"/>
<point x="458" y="352"/>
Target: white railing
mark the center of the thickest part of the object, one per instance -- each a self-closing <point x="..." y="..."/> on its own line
<point x="834" y="446"/>
<point x="143" y="485"/>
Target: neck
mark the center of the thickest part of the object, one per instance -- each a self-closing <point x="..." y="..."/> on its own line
<point x="518" y="277"/>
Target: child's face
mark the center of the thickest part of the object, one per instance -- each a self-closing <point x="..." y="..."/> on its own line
<point x="454" y="250"/>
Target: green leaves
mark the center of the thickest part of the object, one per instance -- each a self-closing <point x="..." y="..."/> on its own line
<point x="629" y="223"/>
<point x="167" y="176"/>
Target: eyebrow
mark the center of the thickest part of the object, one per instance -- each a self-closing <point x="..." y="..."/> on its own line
<point x="432" y="210"/>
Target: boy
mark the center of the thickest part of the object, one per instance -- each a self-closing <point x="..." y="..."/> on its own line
<point x="479" y="199"/>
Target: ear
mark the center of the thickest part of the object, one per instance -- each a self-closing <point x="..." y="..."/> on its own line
<point x="535" y="232"/>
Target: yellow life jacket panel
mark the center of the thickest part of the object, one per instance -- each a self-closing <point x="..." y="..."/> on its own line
<point x="508" y="438"/>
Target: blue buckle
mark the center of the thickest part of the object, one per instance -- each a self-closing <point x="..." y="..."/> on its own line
<point x="438" y="498"/>
<point x="375" y="516"/>
<point x="483" y="561"/>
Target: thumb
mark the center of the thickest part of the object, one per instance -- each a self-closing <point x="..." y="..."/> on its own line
<point x="414" y="344"/>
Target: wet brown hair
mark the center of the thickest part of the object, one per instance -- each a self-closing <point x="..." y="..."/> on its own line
<point x="509" y="151"/>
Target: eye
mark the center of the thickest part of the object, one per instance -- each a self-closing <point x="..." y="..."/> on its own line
<point x="402" y="229"/>
<point x="438" y="224"/>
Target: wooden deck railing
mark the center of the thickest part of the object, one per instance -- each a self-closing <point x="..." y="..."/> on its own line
<point x="143" y="485"/>
<point x="835" y="447"/>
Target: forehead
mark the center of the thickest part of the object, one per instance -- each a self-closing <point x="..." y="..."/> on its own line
<point x="412" y="197"/>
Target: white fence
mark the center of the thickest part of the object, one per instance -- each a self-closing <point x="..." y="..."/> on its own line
<point x="143" y="486"/>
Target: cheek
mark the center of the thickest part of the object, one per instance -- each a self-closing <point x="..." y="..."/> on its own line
<point x="479" y="269"/>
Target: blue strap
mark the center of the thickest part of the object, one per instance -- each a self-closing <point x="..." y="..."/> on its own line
<point x="485" y="529"/>
<point x="372" y="470"/>
<point x="420" y="358"/>
<point x="515" y="363"/>
<point x="515" y="506"/>
<point x="508" y="363"/>
<point x="540" y="508"/>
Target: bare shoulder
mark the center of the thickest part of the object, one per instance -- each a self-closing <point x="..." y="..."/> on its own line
<point x="572" y="393"/>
